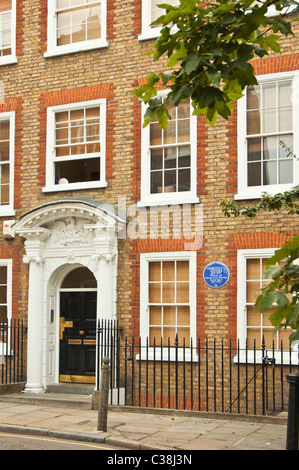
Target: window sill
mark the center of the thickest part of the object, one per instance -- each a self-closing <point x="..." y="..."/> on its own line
<point x="172" y="354"/>
<point x="74" y="186"/>
<point x="152" y="33"/>
<point x="166" y="201"/>
<point x="10" y="60"/>
<point x="7" y="212"/>
<point x="257" y="193"/>
<point x="62" y="50"/>
<point x="280" y="358"/>
<point x="148" y="35"/>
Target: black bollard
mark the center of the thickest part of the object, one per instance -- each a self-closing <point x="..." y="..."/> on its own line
<point x="103" y="404"/>
<point x="293" y="412"/>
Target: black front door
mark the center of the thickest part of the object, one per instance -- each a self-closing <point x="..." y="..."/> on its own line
<point x="77" y="336"/>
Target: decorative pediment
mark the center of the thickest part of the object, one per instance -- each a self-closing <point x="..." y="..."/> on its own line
<point x="69" y="228"/>
<point x="62" y="210"/>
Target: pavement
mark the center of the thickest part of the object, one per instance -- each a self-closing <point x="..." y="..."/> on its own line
<point x="71" y="417"/>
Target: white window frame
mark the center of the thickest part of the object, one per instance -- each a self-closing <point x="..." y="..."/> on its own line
<point x="11" y="59"/>
<point x="145" y="259"/>
<point x="53" y="49"/>
<point x="242" y="257"/>
<point x="3" y="346"/>
<point x="8" y="264"/>
<point x="50" y="158"/>
<point x="8" y="209"/>
<point x="148" y="32"/>
<point x="255" y="192"/>
<point x="183" y="197"/>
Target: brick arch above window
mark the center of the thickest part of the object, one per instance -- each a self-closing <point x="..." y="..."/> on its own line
<point x="262" y="240"/>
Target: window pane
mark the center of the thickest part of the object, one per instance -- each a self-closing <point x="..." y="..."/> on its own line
<point x="254" y="174"/>
<point x="254" y="147"/>
<point x="155" y="293"/>
<point x="286" y="172"/>
<point x="155" y="336"/>
<point x="169" y="315"/>
<point x="170" y="160"/>
<point x="169" y="155"/>
<point x="183" y="271"/>
<point x="285" y="119"/>
<point x="77" y="23"/>
<point x="183" y="110"/>
<point x="285" y="93"/>
<point x="253" y="97"/>
<point x="155" y="134"/>
<point x="183" y="130"/>
<point x="156" y="182"/>
<point x="254" y="338"/>
<point x="78" y="132"/>
<point x="169" y="318"/>
<point x="184" y="336"/>
<point x="5" y="5"/>
<point x="184" y="157"/>
<point x="94" y="24"/>
<point x="155" y="315"/>
<point x="4" y="151"/>
<point x="269" y="95"/>
<point x="183" y="314"/>
<point x="76" y="171"/>
<point x="270" y="148"/>
<point x="4" y="140"/>
<point x="168" y="271"/>
<point x="269" y="121"/>
<point x="253" y="122"/>
<point x="170" y="181"/>
<point x="155" y="271"/>
<point x="4" y="184"/>
<point x="3" y="316"/>
<point x="3" y="294"/>
<point x="253" y="290"/>
<point x="156" y="159"/>
<point x="170" y="133"/>
<point x="288" y="142"/>
<point x="3" y="274"/>
<point x="276" y="111"/>
<point x="183" y="292"/>
<point x="270" y="173"/>
<point x="168" y="296"/>
<point x="184" y="180"/>
<point x="169" y="333"/>
<point x="253" y="269"/>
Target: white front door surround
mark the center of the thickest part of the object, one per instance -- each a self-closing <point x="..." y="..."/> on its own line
<point x="58" y="237"/>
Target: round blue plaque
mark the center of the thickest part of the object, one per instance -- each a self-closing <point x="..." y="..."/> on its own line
<point x="216" y="274"/>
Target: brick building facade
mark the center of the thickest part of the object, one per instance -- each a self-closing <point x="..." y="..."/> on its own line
<point x="82" y="183"/>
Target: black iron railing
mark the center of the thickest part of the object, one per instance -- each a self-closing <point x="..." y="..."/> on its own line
<point x="211" y="375"/>
<point x="12" y="351"/>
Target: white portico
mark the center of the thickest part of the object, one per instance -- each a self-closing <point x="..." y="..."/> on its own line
<point x="59" y="237"/>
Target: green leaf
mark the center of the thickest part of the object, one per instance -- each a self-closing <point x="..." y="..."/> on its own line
<point x="214" y="77"/>
<point x="175" y="58"/>
<point x="271" y="41"/>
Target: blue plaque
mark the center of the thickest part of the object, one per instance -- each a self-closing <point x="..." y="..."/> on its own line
<point x="216" y="274"/>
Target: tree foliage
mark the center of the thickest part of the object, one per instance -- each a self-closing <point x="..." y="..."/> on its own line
<point x="287" y="200"/>
<point x="282" y="292"/>
<point x="208" y="49"/>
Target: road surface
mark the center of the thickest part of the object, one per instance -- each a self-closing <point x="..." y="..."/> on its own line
<point x="9" y="441"/>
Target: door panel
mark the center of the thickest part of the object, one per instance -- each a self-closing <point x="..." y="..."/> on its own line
<point x="77" y="336"/>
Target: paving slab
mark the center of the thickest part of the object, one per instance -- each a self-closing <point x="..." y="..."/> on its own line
<point x="143" y="429"/>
